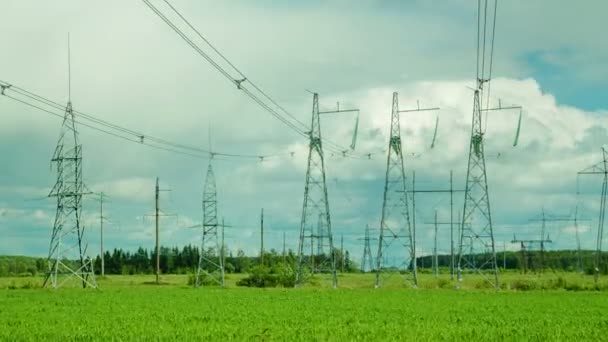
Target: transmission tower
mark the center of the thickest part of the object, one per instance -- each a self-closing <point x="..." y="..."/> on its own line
<point x="395" y="221"/>
<point x="210" y="262"/>
<point x="477" y="251"/>
<point x="68" y="249"/>
<point x="395" y="224"/>
<point x="600" y="168"/>
<point x="367" y="260"/>
<point x="316" y="205"/>
<point x="315" y="209"/>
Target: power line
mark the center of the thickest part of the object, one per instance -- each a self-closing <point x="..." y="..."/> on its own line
<point x="476" y="233"/>
<point x="291" y="121"/>
<point x="491" y="53"/>
<point x="121" y="131"/>
<point x="222" y="70"/>
<point x="233" y="66"/>
<point x="39" y="102"/>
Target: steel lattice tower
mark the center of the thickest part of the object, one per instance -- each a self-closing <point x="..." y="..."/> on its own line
<point x="316" y="206"/>
<point x="320" y="234"/>
<point x="477" y="250"/>
<point x="367" y="252"/>
<point x="599" y="169"/>
<point x="210" y="262"/>
<point x="67" y="250"/>
<point x="395" y="223"/>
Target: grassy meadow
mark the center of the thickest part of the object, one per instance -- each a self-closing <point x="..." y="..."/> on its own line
<point x="546" y="307"/>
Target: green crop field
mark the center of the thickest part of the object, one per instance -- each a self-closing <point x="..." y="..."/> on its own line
<point x="129" y="308"/>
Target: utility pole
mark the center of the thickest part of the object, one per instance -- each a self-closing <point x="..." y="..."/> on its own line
<point x="435" y="257"/>
<point x="504" y="255"/>
<point x="528" y="245"/>
<point x="544" y="237"/>
<point x="342" y="251"/>
<point x="451" y="225"/>
<point x="542" y="243"/>
<point x="579" y="263"/>
<point x="157" y="215"/>
<point x="524" y="257"/>
<point x="451" y="192"/>
<point x="284" y="251"/>
<point x="262" y="238"/>
<point x="395" y="225"/>
<point x="414" y="227"/>
<point x="316" y="204"/>
<point x="600" y="168"/>
<point x="223" y="256"/>
<point x="459" y="235"/>
<point x="156" y="218"/>
<point x="101" y="219"/>
<point x="67" y="238"/>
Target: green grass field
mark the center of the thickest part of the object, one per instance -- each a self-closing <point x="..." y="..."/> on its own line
<point x="129" y="308"/>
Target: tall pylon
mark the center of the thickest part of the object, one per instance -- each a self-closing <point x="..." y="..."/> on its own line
<point x="67" y="258"/>
<point x="579" y="262"/>
<point x="320" y="233"/>
<point x="367" y="262"/>
<point x="477" y="250"/>
<point x="600" y="168"/>
<point x="315" y="210"/>
<point x="210" y="262"/>
<point x="395" y="222"/>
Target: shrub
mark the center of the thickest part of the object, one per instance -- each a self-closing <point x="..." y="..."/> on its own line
<point x="524" y="285"/>
<point x="205" y="280"/>
<point x="444" y="284"/>
<point x="574" y="287"/>
<point x="261" y="276"/>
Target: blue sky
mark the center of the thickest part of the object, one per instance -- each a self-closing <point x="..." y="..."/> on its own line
<point x="563" y="81"/>
<point x="130" y="69"/>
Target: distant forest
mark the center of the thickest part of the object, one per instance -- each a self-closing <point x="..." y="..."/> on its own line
<point x="183" y="261"/>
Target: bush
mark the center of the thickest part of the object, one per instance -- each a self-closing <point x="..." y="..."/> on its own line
<point x="259" y="279"/>
<point x="205" y="280"/>
<point x="444" y="284"/>
<point x="483" y="284"/>
<point x="26" y="285"/>
<point x="524" y="285"/>
<point x="261" y="276"/>
<point x="572" y="286"/>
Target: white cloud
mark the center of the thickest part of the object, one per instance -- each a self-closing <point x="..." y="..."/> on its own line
<point x="132" y="70"/>
<point x="137" y="189"/>
<point x="572" y="229"/>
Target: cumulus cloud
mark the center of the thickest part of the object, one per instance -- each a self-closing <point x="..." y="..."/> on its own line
<point x="152" y="82"/>
<point x="132" y="189"/>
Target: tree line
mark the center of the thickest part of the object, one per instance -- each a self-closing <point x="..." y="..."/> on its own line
<point x="175" y="260"/>
<point x="185" y="260"/>
<point x="172" y="260"/>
